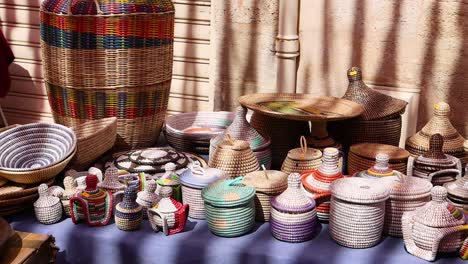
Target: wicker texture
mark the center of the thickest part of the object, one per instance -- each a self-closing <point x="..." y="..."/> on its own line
<point x="127" y="72"/>
<point x="193" y="131"/>
<point x="293" y="214"/>
<point x="234" y="157"/>
<point x="111" y="181"/>
<point x="357" y="211"/>
<point x="147" y="198"/>
<point x="168" y="215"/>
<point x="418" y="144"/>
<point x="172" y="180"/>
<point x="458" y="192"/>
<point x="362" y="156"/>
<point x="380" y="168"/>
<point x="435" y="227"/>
<point x="128" y="213"/>
<point x="94" y="138"/>
<point x="302" y="159"/>
<point x="316" y="183"/>
<point x="70" y="191"/>
<point x="47" y="208"/>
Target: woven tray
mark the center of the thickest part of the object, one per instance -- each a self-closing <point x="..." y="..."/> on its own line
<point x="14" y="190"/>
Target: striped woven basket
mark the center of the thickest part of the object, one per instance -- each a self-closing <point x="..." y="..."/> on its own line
<point x="109" y="59"/>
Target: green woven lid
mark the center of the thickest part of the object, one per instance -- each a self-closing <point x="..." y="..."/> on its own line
<point x="228" y="193"/>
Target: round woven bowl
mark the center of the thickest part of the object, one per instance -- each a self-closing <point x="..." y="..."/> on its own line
<point x="35" y="146"/>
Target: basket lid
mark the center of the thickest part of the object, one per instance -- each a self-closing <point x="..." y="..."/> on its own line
<point x="93" y="7"/>
<point x="267" y="181"/>
<point x="45" y="200"/>
<point x="198" y="177"/>
<point x="129" y="198"/>
<point x="439" y="212"/>
<point x="370" y="150"/>
<point x="234" y="144"/>
<point x="380" y="169"/>
<point x="407" y="188"/>
<point x="167" y="204"/>
<point x="150" y="160"/>
<point x="111" y="180"/>
<point x="376" y="105"/>
<point x="170" y="177"/>
<point x="459" y="188"/>
<point x="148" y="197"/>
<point x="304" y="153"/>
<point x="435" y="156"/>
<point x="359" y="190"/>
<point x="319" y="180"/>
<point x="293" y="199"/>
<point x="70" y="188"/>
<point x="228" y="193"/>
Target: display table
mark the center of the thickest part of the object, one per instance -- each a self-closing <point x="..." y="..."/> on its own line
<point x="83" y="244"/>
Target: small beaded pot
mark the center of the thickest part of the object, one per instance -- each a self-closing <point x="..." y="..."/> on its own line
<point x="268" y="184"/>
<point x="168" y="215"/>
<point x="357" y="211"/>
<point x="316" y="183"/>
<point x="458" y="192"/>
<point x="172" y="180"/>
<point x="193" y="181"/>
<point x="147" y="198"/>
<point x="379" y="170"/>
<point x="406" y="194"/>
<point x="69" y="192"/>
<point x="434" y="165"/>
<point x="111" y="181"/>
<point x="293" y="214"/>
<point x="47" y="208"/>
<point x="435" y="227"/>
<point x="128" y="213"/>
<point x="230" y="207"/>
<point x="302" y="159"/>
<point x="93" y="205"/>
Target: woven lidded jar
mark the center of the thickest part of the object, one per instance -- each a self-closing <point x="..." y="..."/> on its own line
<point x="293" y="214"/>
<point x="316" y="183"/>
<point x="434" y="165"/>
<point x="362" y="156"/>
<point x="234" y="157"/>
<point x="168" y="214"/>
<point x="69" y="192"/>
<point x="111" y="181"/>
<point x="241" y="129"/>
<point x="380" y="168"/>
<point x="418" y="144"/>
<point x="302" y="159"/>
<point x="230" y="207"/>
<point x="458" y="191"/>
<point x="128" y="213"/>
<point x="268" y="184"/>
<point x="109" y="58"/>
<point x="193" y="181"/>
<point x="406" y="194"/>
<point x="438" y="226"/>
<point x="357" y="211"/>
<point x="47" y="208"/>
<point x="171" y="179"/>
<point x="148" y="197"/>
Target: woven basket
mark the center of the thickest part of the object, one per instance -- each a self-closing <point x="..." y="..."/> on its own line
<point x="458" y="192"/>
<point x="379" y="169"/>
<point x="94" y="138"/>
<point x="128" y="213"/>
<point x="14" y="190"/>
<point x="48" y="209"/>
<point x="302" y="159"/>
<point x="108" y="59"/>
<point x="168" y="215"/>
<point x="362" y="156"/>
<point x="147" y="198"/>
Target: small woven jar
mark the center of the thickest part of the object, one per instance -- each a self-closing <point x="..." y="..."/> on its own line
<point x="316" y="183"/>
<point x="357" y="211"/>
<point x="167" y="214"/>
<point x="302" y="159"/>
<point x="268" y="184"/>
<point x="362" y="156"/>
<point x="241" y="129"/>
<point x="172" y="180"/>
<point x="47" y="208"/>
<point x="111" y="181"/>
<point x="193" y="181"/>
<point x="434" y="165"/>
<point x="406" y="194"/>
<point x="128" y="213"/>
<point x="148" y="197"/>
<point x="69" y="192"/>
<point x="380" y="169"/>
<point x="438" y="226"/>
<point x="293" y="214"/>
<point x="234" y="157"/>
<point x="230" y="207"/>
<point x="458" y="192"/>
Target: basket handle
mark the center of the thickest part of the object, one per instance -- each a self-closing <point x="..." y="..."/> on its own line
<point x="234" y="181"/>
<point x="229" y="139"/>
<point x="303" y="143"/>
<point x="69" y="8"/>
<point x="265" y="171"/>
<point x="197" y="168"/>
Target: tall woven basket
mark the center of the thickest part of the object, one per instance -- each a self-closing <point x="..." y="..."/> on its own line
<point x="109" y="58"/>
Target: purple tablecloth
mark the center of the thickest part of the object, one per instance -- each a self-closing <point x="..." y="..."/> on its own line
<point x="82" y="244"/>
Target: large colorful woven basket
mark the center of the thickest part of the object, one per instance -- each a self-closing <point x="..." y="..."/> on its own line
<point x="109" y="58"/>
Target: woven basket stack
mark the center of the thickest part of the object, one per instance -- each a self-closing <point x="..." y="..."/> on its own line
<point x="128" y="213"/>
<point x="47" y="208"/>
<point x="357" y="211"/>
<point x="418" y="144"/>
<point x="241" y="129"/>
<point x="434" y="165"/>
<point x="293" y="214"/>
<point x="379" y="123"/>
<point x="362" y="156"/>
<point x="193" y="181"/>
<point x="316" y="183"/>
<point x="234" y="157"/>
<point x="109" y="59"/>
<point x="193" y="131"/>
<point x="268" y="184"/>
<point x="302" y="159"/>
<point x="406" y="194"/>
<point x="458" y="192"/>
<point x="230" y="207"/>
<point x="380" y="169"/>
